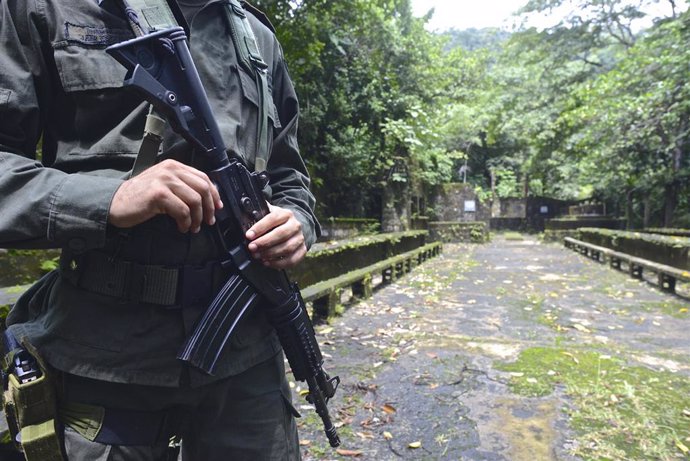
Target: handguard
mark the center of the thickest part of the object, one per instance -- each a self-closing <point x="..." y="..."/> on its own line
<point x="160" y="67"/>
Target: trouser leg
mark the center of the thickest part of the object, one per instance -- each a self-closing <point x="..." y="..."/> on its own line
<point x="79" y="448"/>
<point x="244" y="417"/>
<point x="247" y="417"/>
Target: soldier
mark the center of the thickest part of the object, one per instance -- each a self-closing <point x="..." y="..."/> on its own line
<point x="139" y="260"/>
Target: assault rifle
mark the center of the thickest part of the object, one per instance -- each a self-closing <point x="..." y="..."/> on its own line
<point x="160" y="67"/>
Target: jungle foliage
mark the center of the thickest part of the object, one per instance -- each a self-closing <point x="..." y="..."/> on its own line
<point x="596" y="106"/>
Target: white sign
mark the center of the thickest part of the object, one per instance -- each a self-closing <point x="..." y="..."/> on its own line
<point x="470" y="206"/>
<point x="544" y="210"/>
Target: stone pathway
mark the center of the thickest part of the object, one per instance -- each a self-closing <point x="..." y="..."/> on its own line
<point x="421" y="360"/>
<point x="436" y="366"/>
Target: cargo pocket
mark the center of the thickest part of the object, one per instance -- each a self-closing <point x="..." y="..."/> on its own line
<point x="34" y="301"/>
<point x="79" y="447"/>
<point x="90" y="320"/>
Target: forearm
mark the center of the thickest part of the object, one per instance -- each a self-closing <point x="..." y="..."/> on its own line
<point x="44" y="207"/>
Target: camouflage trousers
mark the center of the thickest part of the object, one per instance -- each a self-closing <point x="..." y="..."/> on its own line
<point x="244" y="417"/>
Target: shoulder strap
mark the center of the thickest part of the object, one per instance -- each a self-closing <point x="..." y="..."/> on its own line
<point x="249" y="57"/>
<point x="146" y="16"/>
<point x="156" y="15"/>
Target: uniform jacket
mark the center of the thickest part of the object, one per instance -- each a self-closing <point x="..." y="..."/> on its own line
<point x="60" y="90"/>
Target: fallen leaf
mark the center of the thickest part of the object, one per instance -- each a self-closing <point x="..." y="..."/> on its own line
<point x="682" y="447"/>
<point x="351" y="453"/>
<point x="390" y="409"/>
<point x="572" y="357"/>
<point x="387" y="435"/>
<point x="581" y="328"/>
<point x="415" y="445"/>
<point x="304" y="443"/>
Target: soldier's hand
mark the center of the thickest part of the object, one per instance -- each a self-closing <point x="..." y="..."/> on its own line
<point x="170" y="187"/>
<point x="277" y="240"/>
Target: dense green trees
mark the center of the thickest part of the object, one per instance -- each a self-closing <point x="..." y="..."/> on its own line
<point x="595" y="106"/>
<point x="373" y="85"/>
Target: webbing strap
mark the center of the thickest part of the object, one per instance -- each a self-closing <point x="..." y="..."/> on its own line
<point x="40" y="442"/>
<point x="249" y="57"/>
<point x="29" y="402"/>
<point x="172" y="287"/>
<point x="152" y="15"/>
<point x="151" y="142"/>
<point x="144" y="17"/>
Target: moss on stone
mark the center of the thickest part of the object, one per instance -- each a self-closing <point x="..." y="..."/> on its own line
<point x="619" y="411"/>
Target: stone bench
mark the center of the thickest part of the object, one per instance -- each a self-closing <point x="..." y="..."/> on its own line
<point x="667" y="276"/>
<point x="325" y="295"/>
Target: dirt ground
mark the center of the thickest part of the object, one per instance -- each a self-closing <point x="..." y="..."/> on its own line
<point x="482" y="354"/>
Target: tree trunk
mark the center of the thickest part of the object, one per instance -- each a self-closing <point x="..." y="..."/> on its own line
<point x="647" y="211"/>
<point x="671" y="190"/>
<point x="670" y="203"/>
<point x="629" y="213"/>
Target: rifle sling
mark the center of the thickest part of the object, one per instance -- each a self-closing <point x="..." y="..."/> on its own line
<point x="249" y="57"/>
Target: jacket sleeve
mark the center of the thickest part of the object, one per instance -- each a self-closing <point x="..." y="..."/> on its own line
<point x="40" y="206"/>
<point x="289" y="176"/>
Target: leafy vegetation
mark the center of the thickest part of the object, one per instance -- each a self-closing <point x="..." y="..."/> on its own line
<point x="596" y="106"/>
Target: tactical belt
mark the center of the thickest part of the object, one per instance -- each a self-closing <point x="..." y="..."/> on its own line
<point x="168" y="286"/>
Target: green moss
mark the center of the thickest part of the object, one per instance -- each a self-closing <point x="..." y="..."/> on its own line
<point x="673" y="308"/>
<point x="618" y="411"/>
<point x="669" y="231"/>
<point x="515" y="236"/>
<point x="454" y="231"/>
<point x="4" y="310"/>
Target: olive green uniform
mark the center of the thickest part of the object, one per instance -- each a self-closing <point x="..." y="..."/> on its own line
<point x="58" y="86"/>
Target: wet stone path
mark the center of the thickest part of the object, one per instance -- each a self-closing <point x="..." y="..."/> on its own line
<point x="426" y="363"/>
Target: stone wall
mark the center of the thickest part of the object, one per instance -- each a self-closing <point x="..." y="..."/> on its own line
<point x="447" y="232"/>
<point x="343" y="228"/>
<point x="459" y="203"/>
<point x="512" y="207"/>
<point x="328" y="260"/>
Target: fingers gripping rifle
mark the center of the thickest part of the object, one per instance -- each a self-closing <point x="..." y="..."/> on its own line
<point x="160" y="67"/>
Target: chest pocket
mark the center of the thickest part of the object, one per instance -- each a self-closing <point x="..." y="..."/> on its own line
<point x="83" y="69"/>
<point x="94" y="114"/>
<point x="81" y="60"/>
